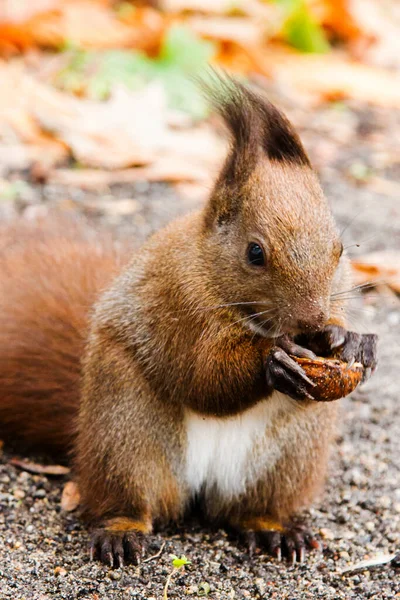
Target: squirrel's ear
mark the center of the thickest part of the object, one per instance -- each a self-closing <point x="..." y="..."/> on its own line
<point x="257" y="128"/>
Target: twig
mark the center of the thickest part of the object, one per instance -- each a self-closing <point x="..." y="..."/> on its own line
<point x="155" y="555"/>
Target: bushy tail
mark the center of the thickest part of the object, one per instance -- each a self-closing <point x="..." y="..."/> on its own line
<point x="51" y="273"/>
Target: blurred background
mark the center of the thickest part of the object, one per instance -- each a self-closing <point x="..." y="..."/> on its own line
<point x="100" y="117"/>
<point x="100" y="114"/>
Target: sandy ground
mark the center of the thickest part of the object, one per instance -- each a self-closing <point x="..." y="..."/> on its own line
<point x="43" y="550"/>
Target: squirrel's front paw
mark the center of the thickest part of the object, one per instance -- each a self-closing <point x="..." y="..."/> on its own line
<point x="347" y="346"/>
<point x="285" y="375"/>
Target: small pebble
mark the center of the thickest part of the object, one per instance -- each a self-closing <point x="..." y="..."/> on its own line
<point x="114" y="575"/>
<point x="327" y="534"/>
<point x="39" y="494"/>
<point x="19" y="494"/>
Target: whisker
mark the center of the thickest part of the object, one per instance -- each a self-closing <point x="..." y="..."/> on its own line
<point x="367" y="311"/>
<point x="351" y="222"/>
<point x="363" y="286"/>
<point x="262" y="325"/>
<point x="359" y="297"/>
<point x="247" y="318"/>
<point x="363" y="241"/>
<point x="352" y="246"/>
<point x="216" y="306"/>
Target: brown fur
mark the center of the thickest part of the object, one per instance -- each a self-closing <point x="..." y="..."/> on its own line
<point x="163" y="341"/>
<point x="124" y="524"/>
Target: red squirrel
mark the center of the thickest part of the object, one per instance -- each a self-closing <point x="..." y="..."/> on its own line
<point x="167" y="374"/>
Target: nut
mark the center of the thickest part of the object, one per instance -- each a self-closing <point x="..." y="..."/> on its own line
<point x="333" y="378"/>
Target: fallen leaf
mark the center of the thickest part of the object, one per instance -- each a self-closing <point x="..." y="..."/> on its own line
<point x="172" y="169"/>
<point x="33" y="467"/>
<point x="23" y="140"/>
<point x="338" y="18"/>
<point x="123" y="131"/>
<point x="378" y="268"/>
<point x="87" y="23"/>
<point x="70" y="498"/>
<point x="252" y="8"/>
<point x="243" y="31"/>
<point x="331" y="77"/>
<point x="14" y="39"/>
<point x="127" y="129"/>
<point x="377" y="40"/>
<point x="218" y="7"/>
<point x="20" y="11"/>
<point x="190" y="155"/>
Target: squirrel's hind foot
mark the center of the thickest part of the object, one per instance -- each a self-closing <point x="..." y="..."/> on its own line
<point x="288" y="541"/>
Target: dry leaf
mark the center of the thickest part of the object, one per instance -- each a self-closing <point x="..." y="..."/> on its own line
<point x="377" y="40"/>
<point x="338" y="18"/>
<point x="191" y="155"/>
<point x="14" y="39"/>
<point x="87" y="23"/>
<point x="70" y="498"/>
<point x="19" y="11"/>
<point x="128" y="129"/>
<point x="125" y="130"/>
<point x="173" y="169"/>
<point x="243" y="31"/>
<point x="218" y="7"/>
<point x="331" y="77"/>
<point x="33" y="467"/>
<point x="253" y="8"/>
<point x="378" y="267"/>
<point x="24" y="142"/>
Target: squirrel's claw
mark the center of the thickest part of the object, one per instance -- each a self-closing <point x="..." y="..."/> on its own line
<point x="285" y="375"/>
<point x="291" y="543"/>
<point x="116" y="548"/>
<point x="347" y="346"/>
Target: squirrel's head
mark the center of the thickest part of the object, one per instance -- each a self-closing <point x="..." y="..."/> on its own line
<point x="268" y="230"/>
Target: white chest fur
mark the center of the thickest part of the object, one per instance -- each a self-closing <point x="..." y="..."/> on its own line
<point x="229" y="453"/>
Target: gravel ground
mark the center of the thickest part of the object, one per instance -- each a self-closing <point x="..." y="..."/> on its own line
<point x="43" y="550"/>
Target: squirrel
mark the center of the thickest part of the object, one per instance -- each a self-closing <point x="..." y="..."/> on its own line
<point x="166" y="374"/>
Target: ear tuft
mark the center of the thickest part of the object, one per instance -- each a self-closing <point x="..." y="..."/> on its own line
<point x="258" y="130"/>
<point x="254" y="124"/>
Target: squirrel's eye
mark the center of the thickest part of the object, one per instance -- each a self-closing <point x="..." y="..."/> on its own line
<point x="341" y="250"/>
<point x="255" y="255"/>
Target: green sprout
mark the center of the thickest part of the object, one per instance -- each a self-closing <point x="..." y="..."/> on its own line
<point x="177" y="565"/>
<point x="182" y="55"/>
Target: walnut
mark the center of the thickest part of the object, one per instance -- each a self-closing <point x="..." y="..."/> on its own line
<point x="333" y="378"/>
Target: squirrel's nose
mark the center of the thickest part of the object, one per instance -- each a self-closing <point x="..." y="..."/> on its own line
<point x="312" y="319"/>
<point x="307" y="316"/>
<point x="311" y="315"/>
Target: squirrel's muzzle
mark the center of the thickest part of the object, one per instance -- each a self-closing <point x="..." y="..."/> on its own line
<point x="310" y="316"/>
